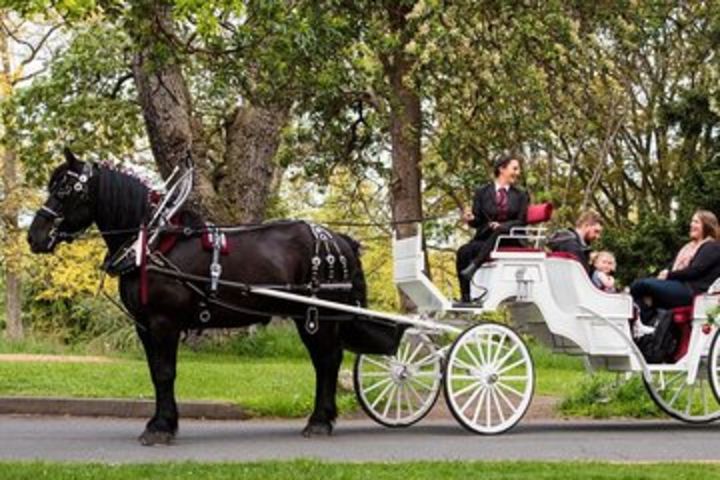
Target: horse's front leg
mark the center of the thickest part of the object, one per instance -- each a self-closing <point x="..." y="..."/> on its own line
<point x="326" y="355"/>
<point x="160" y="340"/>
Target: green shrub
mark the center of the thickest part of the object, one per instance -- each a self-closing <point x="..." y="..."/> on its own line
<point x="600" y="397"/>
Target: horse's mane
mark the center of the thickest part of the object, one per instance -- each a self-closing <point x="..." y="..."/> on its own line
<point x="122" y="199"/>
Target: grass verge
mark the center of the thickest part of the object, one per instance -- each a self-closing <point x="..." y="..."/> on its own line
<point x="303" y="469"/>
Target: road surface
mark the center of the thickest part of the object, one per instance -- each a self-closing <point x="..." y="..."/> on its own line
<point x="114" y="440"/>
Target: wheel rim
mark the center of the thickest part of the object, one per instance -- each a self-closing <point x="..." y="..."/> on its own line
<point x="690" y="402"/>
<point x="400" y="390"/>
<point x="489" y="378"/>
<point x="714" y="365"/>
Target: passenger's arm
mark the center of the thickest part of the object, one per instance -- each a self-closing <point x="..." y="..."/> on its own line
<point x="706" y="259"/>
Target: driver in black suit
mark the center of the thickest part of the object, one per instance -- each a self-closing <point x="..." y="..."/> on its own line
<point x="497" y="207"/>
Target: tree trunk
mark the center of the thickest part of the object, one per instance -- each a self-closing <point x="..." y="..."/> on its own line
<point x="405" y="135"/>
<point x="241" y="191"/>
<point x="252" y="140"/>
<point x="13" y="319"/>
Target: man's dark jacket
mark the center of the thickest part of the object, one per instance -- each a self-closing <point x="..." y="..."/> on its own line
<point x="485" y="210"/>
<point x="568" y="240"/>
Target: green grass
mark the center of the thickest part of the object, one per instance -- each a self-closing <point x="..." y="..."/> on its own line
<point x="305" y="469"/>
<point x="266" y="387"/>
<point x="250" y="371"/>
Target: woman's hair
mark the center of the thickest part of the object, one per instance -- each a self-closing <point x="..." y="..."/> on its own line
<point x="596" y="256"/>
<point x="709" y="223"/>
<point x="502" y="161"/>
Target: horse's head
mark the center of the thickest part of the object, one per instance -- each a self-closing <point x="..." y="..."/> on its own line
<point x="68" y="208"/>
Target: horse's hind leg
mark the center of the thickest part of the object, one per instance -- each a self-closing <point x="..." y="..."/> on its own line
<point x="160" y="341"/>
<point x="326" y="354"/>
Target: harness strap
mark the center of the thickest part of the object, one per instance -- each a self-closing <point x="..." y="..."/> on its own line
<point x="215" y="267"/>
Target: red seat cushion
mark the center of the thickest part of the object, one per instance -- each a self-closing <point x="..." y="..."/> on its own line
<point x="566" y="255"/>
<point x="682" y="314"/>
<point x="539" y="213"/>
<point x="519" y="249"/>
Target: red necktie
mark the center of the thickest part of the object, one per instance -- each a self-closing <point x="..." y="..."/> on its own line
<point x="502" y="204"/>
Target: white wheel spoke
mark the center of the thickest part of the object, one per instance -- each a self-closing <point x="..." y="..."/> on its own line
<point x="431" y="374"/>
<point x="505" y="399"/>
<point x="414" y="353"/>
<point x="677" y="393"/>
<point x="408" y="402"/>
<point x="514" y="378"/>
<point x="502" y="361"/>
<point x="465" y="377"/>
<point x="378" y="364"/>
<point x="377" y="384"/>
<point x="488" y="411"/>
<point x="471" y="398"/>
<point x="509" y="389"/>
<point x="470" y="354"/>
<point x="426" y="360"/>
<point x="499" y="348"/>
<point x="422" y="384"/>
<point x="497" y="405"/>
<point x="478" y="344"/>
<point x="375" y="374"/>
<point x="691" y="393"/>
<point x="382" y="395"/>
<point x="415" y="393"/>
<point x="478" y="408"/>
<point x="399" y="403"/>
<point x="463" y="364"/>
<point x="405" y="351"/>
<point x="390" y="400"/>
<point x="466" y="389"/>
<point x="510" y="367"/>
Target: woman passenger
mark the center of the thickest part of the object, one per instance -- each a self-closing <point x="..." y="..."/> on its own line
<point x="695" y="268"/>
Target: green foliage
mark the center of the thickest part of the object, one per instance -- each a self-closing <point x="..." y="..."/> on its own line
<point x="85" y="102"/>
<point x="600" y="397"/>
<point x="646" y="248"/>
<point x="276" y="340"/>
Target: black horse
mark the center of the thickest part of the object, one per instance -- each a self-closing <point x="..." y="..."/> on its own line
<point x="278" y="253"/>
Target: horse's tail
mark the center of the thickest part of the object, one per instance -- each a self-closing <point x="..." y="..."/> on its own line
<point x="363" y="334"/>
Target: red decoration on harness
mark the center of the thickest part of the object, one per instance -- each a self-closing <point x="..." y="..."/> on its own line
<point x="142" y="238"/>
<point x="208" y="240"/>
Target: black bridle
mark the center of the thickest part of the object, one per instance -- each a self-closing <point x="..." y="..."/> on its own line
<point x="71" y="184"/>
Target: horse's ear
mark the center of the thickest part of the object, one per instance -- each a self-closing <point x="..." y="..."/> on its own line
<point x="70" y="158"/>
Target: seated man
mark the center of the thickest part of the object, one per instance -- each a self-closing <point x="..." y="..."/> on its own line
<point x="577" y="241"/>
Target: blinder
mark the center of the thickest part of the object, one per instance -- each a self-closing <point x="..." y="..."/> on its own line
<point x="72" y="183"/>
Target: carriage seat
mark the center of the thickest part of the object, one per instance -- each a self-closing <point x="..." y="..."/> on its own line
<point x="683" y="317"/>
<point x="539" y="213"/>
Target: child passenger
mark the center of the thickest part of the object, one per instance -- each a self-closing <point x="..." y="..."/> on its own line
<point x="604" y="266"/>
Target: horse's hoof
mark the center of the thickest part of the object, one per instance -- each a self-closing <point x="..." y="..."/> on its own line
<point x="317" y="429"/>
<point x="149" y="438"/>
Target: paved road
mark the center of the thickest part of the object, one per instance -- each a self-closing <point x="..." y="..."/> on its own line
<point x="113" y="440"/>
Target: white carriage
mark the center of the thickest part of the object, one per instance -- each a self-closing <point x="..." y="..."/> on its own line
<point x="486" y="370"/>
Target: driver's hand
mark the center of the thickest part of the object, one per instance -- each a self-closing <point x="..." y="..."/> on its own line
<point x="663" y="275"/>
<point x="494" y="225"/>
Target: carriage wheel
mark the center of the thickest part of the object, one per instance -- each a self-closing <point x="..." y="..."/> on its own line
<point x="714" y="365"/>
<point x="399" y="390"/>
<point x="689" y="402"/>
<point x="489" y="378"/>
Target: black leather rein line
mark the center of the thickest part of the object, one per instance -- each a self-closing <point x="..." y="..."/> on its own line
<point x="247" y="290"/>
